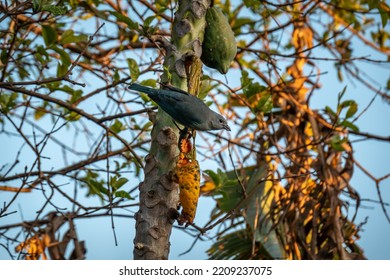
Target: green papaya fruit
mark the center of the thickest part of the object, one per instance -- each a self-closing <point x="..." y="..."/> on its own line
<point x="219" y="44"/>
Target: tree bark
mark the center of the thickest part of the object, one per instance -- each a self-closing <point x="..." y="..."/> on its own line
<point x="158" y="194"/>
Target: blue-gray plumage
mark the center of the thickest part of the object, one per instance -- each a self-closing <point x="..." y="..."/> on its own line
<point x="184" y="108"/>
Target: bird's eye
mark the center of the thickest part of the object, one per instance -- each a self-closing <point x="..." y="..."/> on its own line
<point x="220" y="120"/>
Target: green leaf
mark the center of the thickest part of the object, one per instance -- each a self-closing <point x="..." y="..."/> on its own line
<point x="149" y="83"/>
<point x="40" y="112"/>
<point x="245" y="80"/>
<point x="231" y="193"/>
<point x="61" y="69"/>
<point x="7" y="101"/>
<point x="350" y="125"/>
<point x="75" y="95"/>
<point x="49" y="35"/>
<point x="64" y="63"/>
<point x="40" y="58"/>
<point x="385" y="18"/>
<point x="120" y="17"/>
<point x="23" y="73"/>
<point x="149" y="20"/>
<point x="330" y="111"/>
<point x="53" y="86"/>
<point x="351" y="105"/>
<point x="209" y="103"/>
<point x="119" y="183"/>
<point x="384" y="15"/>
<point x="254" y="5"/>
<point x="37" y="5"/>
<point x="253" y="91"/>
<point x="167" y="73"/>
<point x="242" y="21"/>
<point x="260" y="196"/>
<point x="64" y="56"/>
<point x="42" y="51"/>
<point x="117" y="126"/>
<point x="236" y="245"/>
<point x="346" y="103"/>
<point x="228" y="190"/>
<point x="205" y="87"/>
<point x="72" y="116"/>
<point x="134" y="69"/>
<point x="339" y="74"/>
<point x="352" y="110"/>
<point x="248" y="87"/>
<point x="214" y="176"/>
<point x="55" y="10"/>
<point x="341" y="94"/>
<point x="68" y="37"/>
<point x="116" y="77"/>
<point x="337" y="143"/>
<point x="96" y="187"/>
<point x="372" y="4"/>
<point x="4" y="56"/>
<point x="265" y="104"/>
<point x="146" y="126"/>
<point x="123" y="194"/>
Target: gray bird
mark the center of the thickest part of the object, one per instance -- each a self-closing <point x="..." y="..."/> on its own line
<point x="184" y="108"/>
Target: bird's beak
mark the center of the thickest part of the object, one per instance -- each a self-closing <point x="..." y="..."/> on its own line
<point x="225" y="126"/>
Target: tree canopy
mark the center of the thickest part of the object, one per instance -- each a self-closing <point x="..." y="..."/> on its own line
<point x="279" y="185"/>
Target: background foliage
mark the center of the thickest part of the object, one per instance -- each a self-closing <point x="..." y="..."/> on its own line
<point x="280" y="184"/>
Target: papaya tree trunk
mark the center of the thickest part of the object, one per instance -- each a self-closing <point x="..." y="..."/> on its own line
<point x="158" y="194"/>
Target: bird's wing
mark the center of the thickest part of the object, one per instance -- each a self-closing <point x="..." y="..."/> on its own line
<point x="186" y="109"/>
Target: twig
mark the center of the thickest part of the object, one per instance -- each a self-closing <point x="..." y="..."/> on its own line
<point x="236" y="173"/>
<point x="377" y="181"/>
<point x="73" y="65"/>
<point x="62" y="78"/>
<point x="72" y="108"/>
<point x="127" y="114"/>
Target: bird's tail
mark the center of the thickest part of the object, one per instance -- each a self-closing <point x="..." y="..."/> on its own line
<point x="142" y="88"/>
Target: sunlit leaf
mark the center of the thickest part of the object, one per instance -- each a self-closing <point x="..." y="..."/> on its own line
<point x="39" y="113"/>
<point x="265" y="104"/>
<point x="249" y="87"/>
<point x="134" y="69"/>
<point x="149" y="83"/>
<point x="72" y="116"/>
